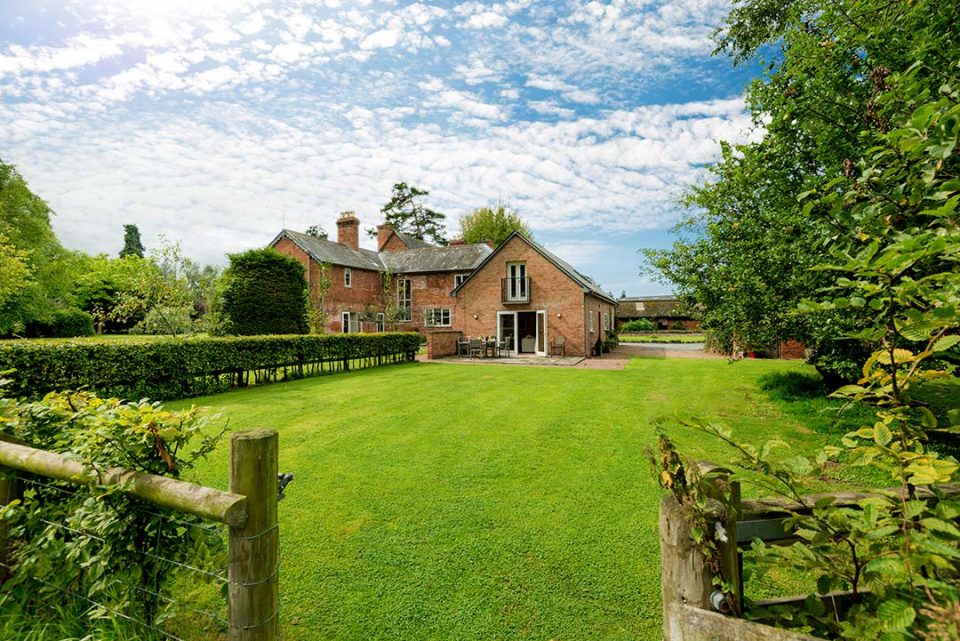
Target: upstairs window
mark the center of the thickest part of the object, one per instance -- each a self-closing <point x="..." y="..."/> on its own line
<point x="404" y="299"/>
<point x="347" y="277"/>
<point x="459" y="278"/>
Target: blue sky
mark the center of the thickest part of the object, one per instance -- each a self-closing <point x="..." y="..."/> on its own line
<point x="214" y="122"/>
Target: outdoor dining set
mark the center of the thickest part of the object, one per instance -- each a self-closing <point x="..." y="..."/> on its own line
<point x="483" y="346"/>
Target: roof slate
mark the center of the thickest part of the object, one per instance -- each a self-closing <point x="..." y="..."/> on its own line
<point x="435" y="259"/>
<point x="425" y="258"/>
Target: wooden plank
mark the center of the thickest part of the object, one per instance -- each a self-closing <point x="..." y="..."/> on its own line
<point x="689" y="623"/>
<point x="684" y="577"/>
<point x="760" y="507"/>
<point x="771" y="529"/>
<point x="205" y="502"/>
<point x="254" y="560"/>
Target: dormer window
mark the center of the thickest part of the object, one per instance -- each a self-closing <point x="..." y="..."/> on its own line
<point x="347" y="277"/>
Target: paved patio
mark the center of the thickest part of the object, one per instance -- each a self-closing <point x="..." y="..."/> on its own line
<point x="519" y="359"/>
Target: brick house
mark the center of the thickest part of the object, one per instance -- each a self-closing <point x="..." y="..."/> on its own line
<point x="419" y="276"/>
<point x="519" y="292"/>
<point x="527" y="296"/>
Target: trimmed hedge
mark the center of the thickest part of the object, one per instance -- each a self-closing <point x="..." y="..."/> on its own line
<point x="63" y="323"/>
<point x="164" y="369"/>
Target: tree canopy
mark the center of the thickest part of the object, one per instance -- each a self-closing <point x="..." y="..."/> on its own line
<point x="132" y="245"/>
<point x="743" y="258"/>
<point x="37" y="271"/>
<point x="492" y="223"/>
<point x="316" y="231"/>
<point x="264" y="292"/>
<point x="407" y="214"/>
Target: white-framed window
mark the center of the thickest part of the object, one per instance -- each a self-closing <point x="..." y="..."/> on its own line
<point x="347" y="277"/>
<point x="345" y="322"/>
<point x="590" y="314"/>
<point x="404" y="299"/>
<point x="517" y="282"/>
<point x="459" y="278"/>
<point x="436" y="317"/>
<point x="380" y="319"/>
<point x="606" y="321"/>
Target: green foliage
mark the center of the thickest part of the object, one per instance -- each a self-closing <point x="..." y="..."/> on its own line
<point x="63" y="323"/>
<point x="316" y="231"/>
<point x="265" y="293"/>
<point x="165" y="320"/>
<point x="639" y="325"/>
<point x="98" y="542"/>
<point x="492" y="223"/>
<point x="158" y="286"/>
<point x="132" y="245"/>
<point x="896" y="551"/>
<point x="743" y="258"/>
<point x="29" y="242"/>
<point x="178" y="368"/>
<point x="407" y="214"/>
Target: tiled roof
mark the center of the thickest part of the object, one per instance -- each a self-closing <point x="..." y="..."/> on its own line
<point x="649" y="307"/>
<point x="327" y="251"/>
<point x="411" y="242"/>
<point x="462" y="258"/>
<point x="425" y="258"/>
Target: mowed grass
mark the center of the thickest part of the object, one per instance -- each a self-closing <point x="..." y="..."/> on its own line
<point x="437" y="501"/>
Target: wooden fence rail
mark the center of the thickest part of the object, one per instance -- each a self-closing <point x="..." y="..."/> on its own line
<point x="249" y="509"/>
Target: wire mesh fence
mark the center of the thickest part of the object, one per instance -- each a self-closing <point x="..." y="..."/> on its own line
<point x="190" y="602"/>
<point x="91" y="553"/>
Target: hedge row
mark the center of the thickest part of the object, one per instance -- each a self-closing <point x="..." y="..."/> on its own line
<point x="173" y="368"/>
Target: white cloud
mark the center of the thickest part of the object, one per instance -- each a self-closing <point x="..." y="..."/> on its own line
<point x="381" y="39"/>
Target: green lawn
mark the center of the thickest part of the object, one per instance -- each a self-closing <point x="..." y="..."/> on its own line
<point x="662" y="338"/>
<point x="437" y="501"/>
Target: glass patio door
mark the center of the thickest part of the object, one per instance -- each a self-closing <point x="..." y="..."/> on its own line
<point x="507" y="329"/>
<point x="541" y="333"/>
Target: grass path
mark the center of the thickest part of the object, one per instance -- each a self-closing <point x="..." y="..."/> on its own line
<point x="484" y="502"/>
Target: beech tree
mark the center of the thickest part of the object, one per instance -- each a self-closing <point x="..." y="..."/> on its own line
<point x="492" y="223"/>
<point x="744" y="255"/>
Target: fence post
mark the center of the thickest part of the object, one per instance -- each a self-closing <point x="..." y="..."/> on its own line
<point x="9" y="490"/>
<point x="253" y="569"/>
<point x="684" y="576"/>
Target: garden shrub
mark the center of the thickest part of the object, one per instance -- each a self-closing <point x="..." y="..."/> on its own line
<point x="94" y="542"/>
<point x="265" y="293"/>
<point x="181" y="367"/>
<point x="639" y="325"/>
<point x="63" y="323"/>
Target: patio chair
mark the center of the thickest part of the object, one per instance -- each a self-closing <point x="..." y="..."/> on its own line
<point x="503" y="347"/>
<point x="476" y="348"/>
<point x="558" y="346"/>
<point x="463" y="346"/>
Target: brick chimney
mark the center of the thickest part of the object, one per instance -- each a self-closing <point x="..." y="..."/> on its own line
<point x="456" y="241"/>
<point x="348" y="230"/>
<point x="383" y="233"/>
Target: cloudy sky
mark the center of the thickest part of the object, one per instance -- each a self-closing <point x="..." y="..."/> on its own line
<point x="216" y="122"/>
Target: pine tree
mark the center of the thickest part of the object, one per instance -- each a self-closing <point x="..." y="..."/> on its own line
<point x="132" y="245"/>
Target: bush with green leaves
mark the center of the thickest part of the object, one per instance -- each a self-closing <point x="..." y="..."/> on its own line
<point x="639" y="325"/>
<point x="181" y="367"/>
<point x="62" y="323"/>
<point x="95" y="550"/>
<point x="898" y="551"/>
<point x="264" y="292"/>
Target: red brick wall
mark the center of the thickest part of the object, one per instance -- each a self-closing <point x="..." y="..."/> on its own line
<point x="430" y="291"/>
<point x="550" y="290"/>
<point x="595" y="308"/>
<point x="366" y="289"/>
<point x="792" y="349"/>
<point x="441" y="342"/>
<point x="393" y="244"/>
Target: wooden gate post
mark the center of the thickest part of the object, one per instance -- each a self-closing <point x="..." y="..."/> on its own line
<point x="9" y="490"/>
<point x="684" y="576"/>
<point x="254" y="563"/>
